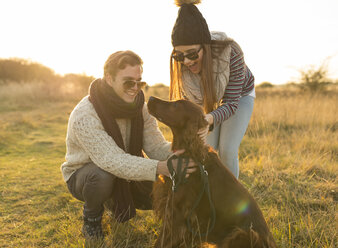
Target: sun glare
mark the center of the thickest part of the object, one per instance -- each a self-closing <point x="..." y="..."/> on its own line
<point x="277" y="40"/>
<point x="161" y="178"/>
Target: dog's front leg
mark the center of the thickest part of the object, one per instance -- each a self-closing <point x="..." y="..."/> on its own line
<point x="166" y="240"/>
<point x="175" y="236"/>
<point x="163" y="239"/>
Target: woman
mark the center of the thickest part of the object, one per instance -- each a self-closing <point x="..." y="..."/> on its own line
<point x="209" y="69"/>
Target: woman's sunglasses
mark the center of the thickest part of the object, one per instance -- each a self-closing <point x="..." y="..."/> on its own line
<point x="131" y="84"/>
<point x="179" y="57"/>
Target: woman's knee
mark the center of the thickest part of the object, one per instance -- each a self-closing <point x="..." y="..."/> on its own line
<point x="228" y="155"/>
<point x="228" y="149"/>
<point x="230" y="160"/>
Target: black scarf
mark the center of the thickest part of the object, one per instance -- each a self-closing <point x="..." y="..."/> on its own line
<point x="109" y="107"/>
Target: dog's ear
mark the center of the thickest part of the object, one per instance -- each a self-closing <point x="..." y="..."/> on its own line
<point x="192" y="128"/>
<point x="193" y="125"/>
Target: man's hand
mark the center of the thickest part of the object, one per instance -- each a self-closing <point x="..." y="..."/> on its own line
<point x="162" y="167"/>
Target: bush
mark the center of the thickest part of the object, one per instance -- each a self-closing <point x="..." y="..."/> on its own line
<point x="265" y="85"/>
<point x="81" y="80"/>
<point x="21" y="70"/>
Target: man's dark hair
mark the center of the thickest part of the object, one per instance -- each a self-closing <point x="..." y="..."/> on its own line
<point x="119" y="60"/>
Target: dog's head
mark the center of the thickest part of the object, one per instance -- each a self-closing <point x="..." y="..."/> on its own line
<point x="183" y="117"/>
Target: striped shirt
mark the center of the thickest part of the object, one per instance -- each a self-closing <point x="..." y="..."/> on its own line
<point x="241" y="83"/>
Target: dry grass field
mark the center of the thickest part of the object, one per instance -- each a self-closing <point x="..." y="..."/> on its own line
<point x="288" y="161"/>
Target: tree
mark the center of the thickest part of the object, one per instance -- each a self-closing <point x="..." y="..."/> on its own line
<point x="315" y="79"/>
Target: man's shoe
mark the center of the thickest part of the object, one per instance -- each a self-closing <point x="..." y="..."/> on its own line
<point x="92" y="228"/>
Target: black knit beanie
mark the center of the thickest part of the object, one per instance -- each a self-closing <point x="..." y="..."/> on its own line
<point x="190" y="26"/>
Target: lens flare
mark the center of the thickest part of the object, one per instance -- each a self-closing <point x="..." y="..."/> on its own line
<point x="243" y="207"/>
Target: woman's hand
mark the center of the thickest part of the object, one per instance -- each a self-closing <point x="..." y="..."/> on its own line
<point x="209" y="118"/>
<point x="203" y="132"/>
<point x="162" y="167"/>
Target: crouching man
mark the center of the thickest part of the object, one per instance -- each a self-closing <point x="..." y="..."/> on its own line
<point x="108" y="132"/>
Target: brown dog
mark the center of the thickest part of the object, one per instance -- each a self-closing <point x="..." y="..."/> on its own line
<point x="211" y="206"/>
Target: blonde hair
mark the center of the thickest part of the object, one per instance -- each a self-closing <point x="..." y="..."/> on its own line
<point x="209" y="94"/>
<point x="119" y="60"/>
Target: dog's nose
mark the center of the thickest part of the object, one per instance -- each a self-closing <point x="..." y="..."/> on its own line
<point x="151" y="98"/>
<point x="151" y="104"/>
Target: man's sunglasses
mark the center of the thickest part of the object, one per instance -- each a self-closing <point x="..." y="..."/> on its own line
<point x="179" y="57"/>
<point x="131" y="84"/>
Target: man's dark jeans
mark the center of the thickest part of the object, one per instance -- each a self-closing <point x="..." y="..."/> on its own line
<point x="94" y="186"/>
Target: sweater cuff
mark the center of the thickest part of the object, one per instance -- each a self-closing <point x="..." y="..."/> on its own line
<point x="152" y="175"/>
<point x="216" y="120"/>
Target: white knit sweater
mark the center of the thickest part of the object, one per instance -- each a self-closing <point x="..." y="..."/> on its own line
<point x="87" y="141"/>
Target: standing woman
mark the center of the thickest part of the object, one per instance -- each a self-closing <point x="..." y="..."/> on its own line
<point x="208" y="68"/>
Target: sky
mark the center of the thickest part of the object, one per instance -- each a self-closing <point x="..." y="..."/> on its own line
<point x="279" y="38"/>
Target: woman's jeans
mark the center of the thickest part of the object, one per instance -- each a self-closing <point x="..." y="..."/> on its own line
<point x="227" y="136"/>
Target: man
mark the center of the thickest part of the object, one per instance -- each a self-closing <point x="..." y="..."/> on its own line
<point x="108" y="131"/>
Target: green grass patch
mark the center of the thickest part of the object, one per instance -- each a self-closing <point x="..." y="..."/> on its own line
<point x="290" y="168"/>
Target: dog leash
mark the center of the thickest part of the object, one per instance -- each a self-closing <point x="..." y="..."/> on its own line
<point x="206" y="189"/>
<point x="179" y="176"/>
